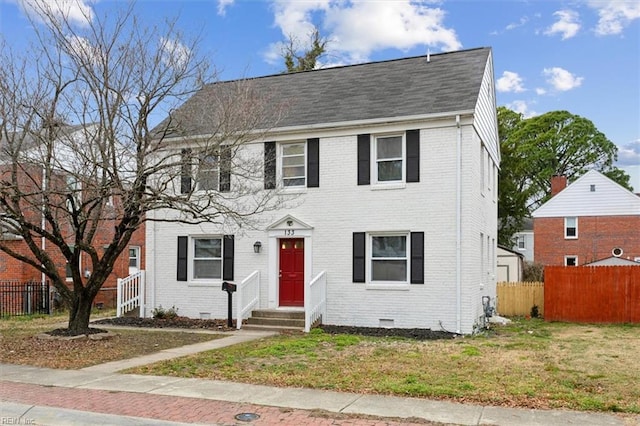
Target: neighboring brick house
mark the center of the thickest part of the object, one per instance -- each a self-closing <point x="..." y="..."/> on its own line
<point x="14" y="270"/>
<point x="394" y="165"/>
<point x="592" y="219"/>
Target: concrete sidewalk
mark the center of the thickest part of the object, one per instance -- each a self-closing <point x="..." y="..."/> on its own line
<point x="99" y="395"/>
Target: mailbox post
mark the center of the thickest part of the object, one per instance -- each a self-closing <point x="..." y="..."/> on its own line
<point x="230" y="288"/>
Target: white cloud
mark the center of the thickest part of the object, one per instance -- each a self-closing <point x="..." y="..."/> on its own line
<point x="515" y="25"/>
<point x="223" y="5"/>
<point x="83" y="49"/>
<point x="76" y="12"/>
<point x="521" y="107"/>
<point x="510" y="82"/>
<point x="568" y="24"/>
<point x="562" y="79"/>
<point x="629" y="154"/>
<point x="614" y="15"/>
<point x="175" y="54"/>
<point x="541" y="91"/>
<point x="357" y="28"/>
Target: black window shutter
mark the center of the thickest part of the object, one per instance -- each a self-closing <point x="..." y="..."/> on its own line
<point x="413" y="156"/>
<point x="227" y="257"/>
<point x="182" y="258"/>
<point x="185" y="171"/>
<point x="364" y="159"/>
<point x="269" y="165"/>
<point x="359" y="257"/>
<point x="417" y="258"/>
<point x="225" y="169"/>
<point x="313" y="163"/>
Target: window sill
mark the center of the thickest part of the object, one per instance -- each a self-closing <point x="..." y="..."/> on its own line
<point x="205" y="283"/>
<point x="383" y="186"/>
<point x="388" y="286"/>
<point x="570" y="238"/>
<point x="294" y="189"/>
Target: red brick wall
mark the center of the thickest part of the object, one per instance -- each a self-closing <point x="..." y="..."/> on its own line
<point x="12" y="269"/>
<point x="597" y="236"/>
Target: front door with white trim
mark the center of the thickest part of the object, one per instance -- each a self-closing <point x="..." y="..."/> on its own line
<point x="291" y="272"/>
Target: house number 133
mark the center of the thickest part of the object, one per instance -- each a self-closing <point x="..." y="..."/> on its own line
<point x="289" y="232"/>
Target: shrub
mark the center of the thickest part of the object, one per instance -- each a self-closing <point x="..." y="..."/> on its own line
<point x="162" y="313"/>
<point x="533" y="272"/>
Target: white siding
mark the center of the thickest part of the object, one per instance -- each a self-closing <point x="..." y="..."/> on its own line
<point x="577" y="199"/>
<point x="486" y="120"/>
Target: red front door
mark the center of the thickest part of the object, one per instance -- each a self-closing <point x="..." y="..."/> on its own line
<point x="292" y="272"/>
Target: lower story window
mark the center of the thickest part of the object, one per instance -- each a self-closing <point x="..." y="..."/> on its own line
<point x="207" y="258"/>
<point x="389" y="258"/>
<point x="571" y="260"/>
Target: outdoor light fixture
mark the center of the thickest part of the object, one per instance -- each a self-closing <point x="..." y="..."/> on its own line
<point x="257" y="246"/>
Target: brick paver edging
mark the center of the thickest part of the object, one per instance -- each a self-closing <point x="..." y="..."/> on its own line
<point x="176" y="409"/>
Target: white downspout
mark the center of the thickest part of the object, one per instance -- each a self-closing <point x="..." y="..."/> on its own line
<point x="458" y="226"/>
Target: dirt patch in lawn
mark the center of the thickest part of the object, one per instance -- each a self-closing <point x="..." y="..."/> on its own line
<point x="20" y="344"/>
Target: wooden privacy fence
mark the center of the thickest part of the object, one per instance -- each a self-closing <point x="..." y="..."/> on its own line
<point x="517" y="299"/>
<point x="608" y="294"/>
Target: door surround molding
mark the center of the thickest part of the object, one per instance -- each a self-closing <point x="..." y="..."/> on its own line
<point x="287" y="227"/>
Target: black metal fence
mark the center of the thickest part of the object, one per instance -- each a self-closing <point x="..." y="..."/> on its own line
<point x="20" y="298"/>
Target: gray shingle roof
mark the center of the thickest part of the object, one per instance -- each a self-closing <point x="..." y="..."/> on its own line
<point x="395" y="88"/>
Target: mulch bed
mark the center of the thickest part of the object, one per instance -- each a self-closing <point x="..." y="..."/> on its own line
<point x="221" y="325"/>
<point x="176" y="322"/>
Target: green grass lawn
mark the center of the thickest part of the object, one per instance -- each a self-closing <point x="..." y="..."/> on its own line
<point x="529" y="363"/>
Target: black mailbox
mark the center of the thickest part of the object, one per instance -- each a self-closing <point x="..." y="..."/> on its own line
<point x="228" y="287"/>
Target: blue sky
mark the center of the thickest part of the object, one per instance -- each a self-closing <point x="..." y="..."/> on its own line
<point x="582" y="56"/>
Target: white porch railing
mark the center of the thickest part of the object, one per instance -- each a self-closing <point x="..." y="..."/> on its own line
<point x="130" y="294"/>
<point x="315" y="300"/>
<point x="247" y="297"/>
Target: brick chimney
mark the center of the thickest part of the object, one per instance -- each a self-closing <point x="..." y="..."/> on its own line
<point x="558" y="183"/>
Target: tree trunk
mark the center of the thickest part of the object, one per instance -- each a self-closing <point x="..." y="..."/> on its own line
<point x="79" y="313"/>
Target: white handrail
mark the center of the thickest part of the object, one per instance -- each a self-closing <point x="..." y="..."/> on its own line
<point x="130" y="294"/>
<point x="315" y="300"/>
<point x="248" y="289"/>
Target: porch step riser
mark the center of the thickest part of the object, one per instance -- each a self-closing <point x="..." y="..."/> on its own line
<point x="279" y="322"/>
<point x="271" y="313"/>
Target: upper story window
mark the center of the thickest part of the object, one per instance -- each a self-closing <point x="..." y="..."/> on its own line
<point x="389" y="258"/>
<point x="570" y="227"/>
<point x="389" y="158"/>
<point x="207" y="258"/>
<point x="213" y="170"/>
<point x="208" y="172"/>
<point x="293" y="164"/>
<point x="520" y="241"/>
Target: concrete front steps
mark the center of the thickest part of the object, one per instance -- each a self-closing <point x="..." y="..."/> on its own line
<point x="276" y="320"/>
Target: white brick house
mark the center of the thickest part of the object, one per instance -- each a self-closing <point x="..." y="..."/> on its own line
<point x="394" y="165"/>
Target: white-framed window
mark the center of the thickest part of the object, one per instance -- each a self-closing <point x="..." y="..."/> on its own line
<point x="389" y="154"/>
<point x="134" y="259"/>
<point x="208" y="176"/>
<point x="571" y="261"/>
<point x="206" y="258"/>
<point x="570" y="227"/>
<point x="388" y="258"/>
<point x="521" y="242"/>
<point x="293" y="164"/>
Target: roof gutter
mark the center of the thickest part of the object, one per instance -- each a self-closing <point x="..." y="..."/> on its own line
<point x="325" y="127"/>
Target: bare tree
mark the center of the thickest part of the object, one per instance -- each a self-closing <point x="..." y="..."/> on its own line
<point x="81" y="161"/>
